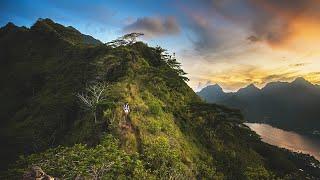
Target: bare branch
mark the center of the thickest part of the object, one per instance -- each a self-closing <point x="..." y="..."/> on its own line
<point x="93" y="96"/>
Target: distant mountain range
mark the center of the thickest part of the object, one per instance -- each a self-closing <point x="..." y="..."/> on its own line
<point x="292" y="106"/>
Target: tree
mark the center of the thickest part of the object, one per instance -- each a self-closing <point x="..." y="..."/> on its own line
<point x="116" y="43"/>
<point x="172" y="62"/>
<point x="132" y="37"/>
<point x="127" y="39"/>
<point x="92" y="97"/>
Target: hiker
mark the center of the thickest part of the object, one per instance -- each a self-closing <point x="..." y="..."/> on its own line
<point x="126" y="108"/>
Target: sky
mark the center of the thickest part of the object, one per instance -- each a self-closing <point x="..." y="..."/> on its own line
<point x="232" y="43"/>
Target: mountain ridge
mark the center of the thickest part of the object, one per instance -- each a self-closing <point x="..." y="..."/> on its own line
<point x="296" y="99"/>
<point x="46" y="25"/>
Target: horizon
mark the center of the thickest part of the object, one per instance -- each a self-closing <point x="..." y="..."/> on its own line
<point x="259" y="87"/>
<point x="216" y="41"/>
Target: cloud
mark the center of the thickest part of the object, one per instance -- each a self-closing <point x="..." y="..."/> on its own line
<point x="211" y="39"/>
<point x="253" y="39"/>
<point x="205" y="33"/>
<point x="273" y="22"/>
<point x="232" y="78"/>
<point x="154" y="26"/>
<point x="287" y="76"/>
<point x="298" y="64"/>
<point x="313" y="77"/>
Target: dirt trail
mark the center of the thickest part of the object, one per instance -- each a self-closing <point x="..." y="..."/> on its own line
<point x="129" y="127"/>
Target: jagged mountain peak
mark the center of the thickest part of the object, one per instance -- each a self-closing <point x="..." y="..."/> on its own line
<point x="45" y="24"/>
<point x="68" y="33"/>
<point x="251" y="88"/>
<point x="49" y="23"/>
<point x="45" y="20"/>
<point x="301" y="81"/>
<point x="9" y="25"/>
<point x="215" y="87"/>
<point x="289" y="105"/>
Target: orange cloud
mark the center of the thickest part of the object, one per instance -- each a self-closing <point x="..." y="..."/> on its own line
<point x="231" y="79"/>
<point x="288" y="23"/>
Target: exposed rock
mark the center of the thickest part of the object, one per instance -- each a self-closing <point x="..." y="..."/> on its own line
<point x="36" y="173"/>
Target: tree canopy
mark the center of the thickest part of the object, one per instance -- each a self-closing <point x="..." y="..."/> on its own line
<point x="127" y="39"/>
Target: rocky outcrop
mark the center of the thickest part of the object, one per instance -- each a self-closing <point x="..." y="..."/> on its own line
<point x="36" y="173"/>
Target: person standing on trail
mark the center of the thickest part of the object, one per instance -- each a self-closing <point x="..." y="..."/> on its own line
<point x="126" y="110"/>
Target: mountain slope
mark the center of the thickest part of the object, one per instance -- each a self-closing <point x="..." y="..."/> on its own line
<point x="169" y="133"/>
<point x="292" y="106"/>
<point x="68" y="34"/>
<point x="39" y="73"/>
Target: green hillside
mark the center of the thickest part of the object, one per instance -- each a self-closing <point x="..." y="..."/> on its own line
<point x="169" y="134"/>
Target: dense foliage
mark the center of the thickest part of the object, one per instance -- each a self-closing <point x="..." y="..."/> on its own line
<point x="169" y="134"/>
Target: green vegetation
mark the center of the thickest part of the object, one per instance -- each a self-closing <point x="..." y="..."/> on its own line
<point x="105" y="160"/>
<point x="169" y="134"/>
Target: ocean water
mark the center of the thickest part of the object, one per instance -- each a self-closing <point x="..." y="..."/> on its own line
<point x="287" y="139"/>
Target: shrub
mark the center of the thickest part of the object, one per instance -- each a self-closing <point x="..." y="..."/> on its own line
<point x="164" y="159"/>
<point x="104" y="161"/>
<point x="259" y="172"/>
<point x="155" y="108"/>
